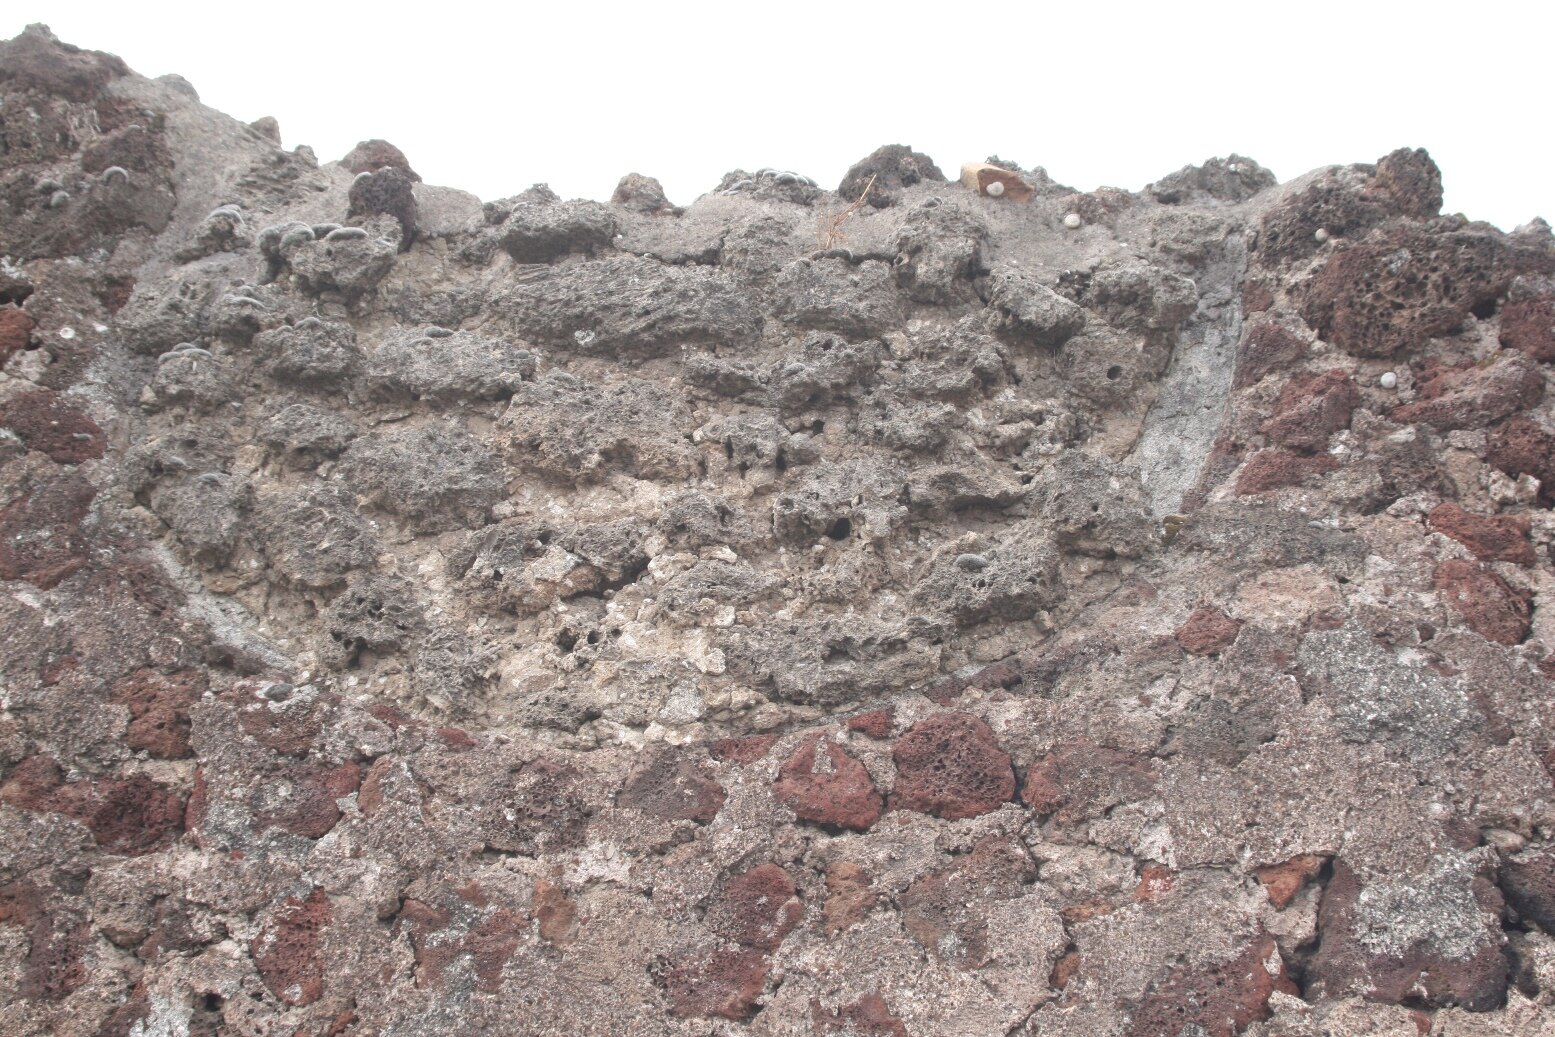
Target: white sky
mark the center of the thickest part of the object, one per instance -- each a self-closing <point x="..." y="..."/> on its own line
<point x="1118" y="94"/>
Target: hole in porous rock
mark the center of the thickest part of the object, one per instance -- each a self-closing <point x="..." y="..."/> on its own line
<point x="566" y="639"/>
<point x="1114" y="373"/>
<point x="1485" y="308"/>
<point x="840" y="529"/>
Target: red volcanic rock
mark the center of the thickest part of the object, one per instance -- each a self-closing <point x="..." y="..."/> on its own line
<point x="822" y="784"/>
<point x="1083" y="781"/>
<point x="1520" y="446"/>
<point x="943" y="912"/>
<point x="159" y="709"/>
<point x="669" y="784"/>
<point x="1283" y="881"/>
<point x="462" y="924"/>
<point x="1208" y="631"/>
<point x="876" y="723"/>
<point x="1475" y="396"/>
<point x="1528" y="319"/>
<point x="1487" y="603"/>
<point x="56" y="945"/>
<point x="369" y="156"/>
<point x="850" y="896"/>
<point x="41" y="540"/>
<point x="287" y="949"/>
<point x="1273" y="469"/>
<point x="130" y="816"/>
<point x="556" y="914"/>
<point x="1394" y="290"/>
<point x="287" y="726"/>
<point x="1217" y="1002"/>
<point x="1266" y="346"/>
<point x="724" y="983"/>
<point x="1310" y="409"/>
<point x="757" y="908"/>
<point x="1410" y="183"/>
<point x="869" y="1016"/>
<point x="1472" y="974"/>
<point x="744" y="751"/>
<point x="310" y="810"/>
<point x="369" y="799"/>
<point x="1495" y="538"/>
<point x="15" y="331"/>
<point x="952" y="766"/>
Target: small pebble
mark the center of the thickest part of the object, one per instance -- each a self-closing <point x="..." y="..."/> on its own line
<point x="1389" y="380"/>
<point x="971" y="563"/>
<point x="1072" y="221"/>
<point x="278" y="692"/>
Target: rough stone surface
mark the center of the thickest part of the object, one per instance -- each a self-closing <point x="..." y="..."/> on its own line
<point x="777" y="615"/>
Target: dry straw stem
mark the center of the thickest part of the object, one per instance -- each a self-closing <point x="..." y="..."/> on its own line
<point x="832" y="232"/>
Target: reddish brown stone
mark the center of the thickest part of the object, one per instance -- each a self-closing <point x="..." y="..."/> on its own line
<point x="952" y="766"/>
<point x="1521" y="446"/>
<point x="1475" y="396"/>
<point x="1006" y="673"/>
<point x="159" y="709"/>
<point x="1154" y="881"/>
<point x="289" y="727"/>
<point x="457" y="740"/>
<point x="877" y="723"/>
<point x="442" y="933"/>
<point x="671" y="785"/>
<point x="1528" y="320"/>
<point x="32" y="783"/>
<point x="1419" y="974"/>
<point x="1256" y="296"/>
<point x="557" y="915"/>
<point x="40" y="532"/>
<point x="1281" y="882"/>
<point x="1208" y="631"/>
<point x="287" y="949"/>
<point x="869" y="1016"/>
<point x="830" y="789"/>
<point x="743" y="751"/>
<point x="1266" y="346"/>
<point x="1064" y="970"/>
<point x="15" y="331"/>
<point x="850" y="896"/>
<point x="1395" y="290"/>
<point x="1310" y="409"/>
<point x="369" y="156"/>
<point x="1083" y="781"/>
<point x="369" y="800"/>
<point x="1273" y="469"/>
<point x="53" y="967"/>
<point x="1217" y="1002"/>
<point x="942" y="910"/>
<point x="1495" y="538"/>
<point x="724" y="983"/>
<point x="1487" y="603"/>
<point x="310" y="810"/>
<point x="1410" y="183"/>
<point x="757" y="908"/>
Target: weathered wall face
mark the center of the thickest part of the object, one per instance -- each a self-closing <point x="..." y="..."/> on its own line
<point x="1105" y="613"/>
